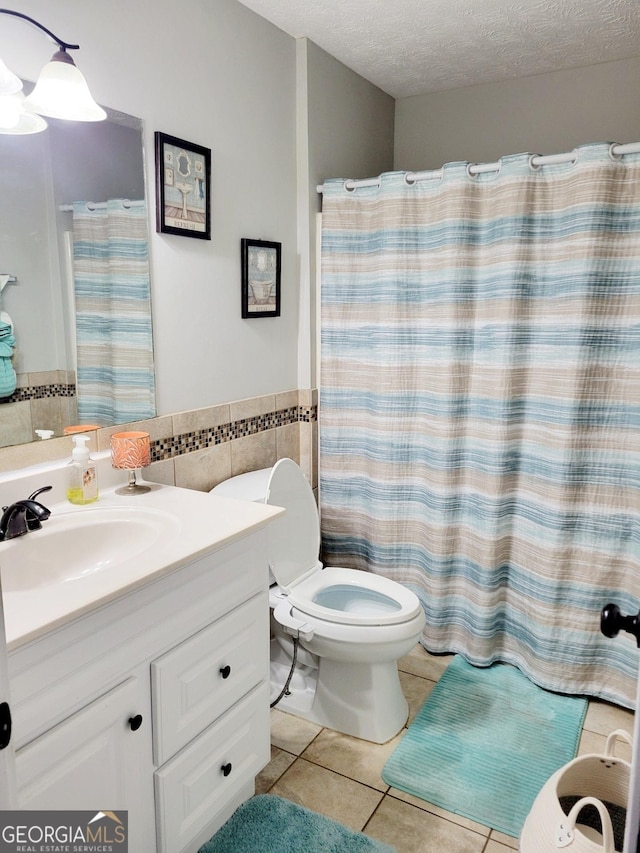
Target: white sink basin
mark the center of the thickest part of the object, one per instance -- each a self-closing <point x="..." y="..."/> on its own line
<point x="75" y="546"/>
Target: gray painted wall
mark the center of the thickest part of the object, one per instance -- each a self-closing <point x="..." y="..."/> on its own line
<point x="345" y="129"/>
<point x="545" y="114"/>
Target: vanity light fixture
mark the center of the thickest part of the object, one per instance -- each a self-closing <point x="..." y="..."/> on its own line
<point x="10" y="83"/>
<point x="16" y="117"/>
<point x="60" y="91"/>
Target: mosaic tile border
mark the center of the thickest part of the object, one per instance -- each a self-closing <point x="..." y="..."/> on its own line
<point x="41" y="392"/>
<point x="189" y="442"/>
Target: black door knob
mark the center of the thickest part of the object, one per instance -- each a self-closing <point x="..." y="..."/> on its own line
<point x="225" y="671"/>
<point x="135" y="722"/>
<point x="612" y="621"/>
<point x="226" y="769"/>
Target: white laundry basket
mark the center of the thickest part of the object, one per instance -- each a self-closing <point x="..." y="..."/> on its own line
<point x="595" y="780"/>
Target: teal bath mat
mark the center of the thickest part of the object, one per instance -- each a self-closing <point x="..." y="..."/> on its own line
<point x="269" y="824"/>
<point x="484" y="743"/>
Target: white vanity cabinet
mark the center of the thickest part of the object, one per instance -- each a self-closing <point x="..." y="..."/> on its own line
<point x="156" y="703"/>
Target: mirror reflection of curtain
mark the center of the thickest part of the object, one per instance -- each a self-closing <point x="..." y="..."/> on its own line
<point x="115" y="376"/>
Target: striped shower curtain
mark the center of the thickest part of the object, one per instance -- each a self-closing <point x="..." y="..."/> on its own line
<point x="480" y="406"/>
<point x="115" y="375"/>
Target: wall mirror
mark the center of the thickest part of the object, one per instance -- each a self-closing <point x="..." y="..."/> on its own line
<point x="42" y="177"/>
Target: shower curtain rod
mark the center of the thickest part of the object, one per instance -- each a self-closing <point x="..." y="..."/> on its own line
<point x="535" y="161"/>
<point x="102" y="205"/>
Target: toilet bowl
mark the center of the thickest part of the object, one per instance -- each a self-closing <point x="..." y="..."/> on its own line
<point x="351" y="626"/>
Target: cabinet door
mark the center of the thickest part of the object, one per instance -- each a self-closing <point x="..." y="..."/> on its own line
<point x="98" y="759"/>
<point x="7" y="756"/>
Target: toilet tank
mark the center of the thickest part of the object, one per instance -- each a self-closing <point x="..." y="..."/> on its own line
<point x="251" y="486"/>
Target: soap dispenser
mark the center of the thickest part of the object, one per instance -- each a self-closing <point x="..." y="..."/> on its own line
<point x="82" y="479"/>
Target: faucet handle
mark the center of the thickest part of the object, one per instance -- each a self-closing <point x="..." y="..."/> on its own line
<point x="39" y="492"/>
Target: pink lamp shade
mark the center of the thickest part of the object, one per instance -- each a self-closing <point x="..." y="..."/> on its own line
<point x="129" y="451"/>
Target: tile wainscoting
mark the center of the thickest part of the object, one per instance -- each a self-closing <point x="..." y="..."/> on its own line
<point x="200" y="448"/>
<point x="44" y="400"/>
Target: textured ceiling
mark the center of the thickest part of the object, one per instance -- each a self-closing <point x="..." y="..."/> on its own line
<point x="410" y="47"/>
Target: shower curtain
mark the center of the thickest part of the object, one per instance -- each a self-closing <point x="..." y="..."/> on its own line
<point x="480" y="406"/>
<point x="115" y="376"/>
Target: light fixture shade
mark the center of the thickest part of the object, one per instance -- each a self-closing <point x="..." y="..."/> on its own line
<point x="9" y="82"/>
<point x="62" y="92"/>
<point x="16" y="118"/>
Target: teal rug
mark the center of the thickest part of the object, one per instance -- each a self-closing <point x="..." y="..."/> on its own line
<point x="269" y="824"/>
<point x="484" y="743"/>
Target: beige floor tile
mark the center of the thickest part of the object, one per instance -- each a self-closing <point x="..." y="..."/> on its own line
<point x="494" y="847"/>
<point x="280" y="761"/>
<point x="603" y="718"/>
<point x="591" y="742"/>
<point x="416" y="689"/>
<point x="328" y="793"/>
<point x="411" y="830"/>
<point x="503" y="841"/>
<point x="340" y="776"/>
<point x="293" y="734"/>
<point x="420" y="662"/>
<point x="466" y="822"/>
<point x="352" y="757"/>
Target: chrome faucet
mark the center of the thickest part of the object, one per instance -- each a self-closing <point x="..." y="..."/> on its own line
<point x="23" y="516"/>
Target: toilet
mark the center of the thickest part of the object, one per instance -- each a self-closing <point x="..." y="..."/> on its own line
<point x="351" y="625"/>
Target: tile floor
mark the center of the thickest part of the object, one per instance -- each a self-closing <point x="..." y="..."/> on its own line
<point x="339" y="776"/>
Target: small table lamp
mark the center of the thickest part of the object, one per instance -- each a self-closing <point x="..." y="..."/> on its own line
<point x="130" y="451"/>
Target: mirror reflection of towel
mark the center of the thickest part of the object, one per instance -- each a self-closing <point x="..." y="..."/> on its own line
<point x="7" y="373"/>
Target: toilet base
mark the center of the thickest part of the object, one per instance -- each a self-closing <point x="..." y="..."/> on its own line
<point x="362" y="700"/>
<point x="302" y="688"/>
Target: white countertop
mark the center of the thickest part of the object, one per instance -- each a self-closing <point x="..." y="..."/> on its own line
<point x="197" y="523"/>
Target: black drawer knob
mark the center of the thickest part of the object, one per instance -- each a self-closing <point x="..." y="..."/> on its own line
<point x="225" y="671"/>
<point x="226" y="769"/>
<point x="135" y="722"/>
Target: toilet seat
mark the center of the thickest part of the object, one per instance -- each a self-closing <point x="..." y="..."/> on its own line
<point x="353" y="597"/>
<point x="337" y="595"/>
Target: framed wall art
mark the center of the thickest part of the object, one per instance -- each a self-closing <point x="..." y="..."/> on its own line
<point x="183" y="187"/>
<point x="261" y="262"/>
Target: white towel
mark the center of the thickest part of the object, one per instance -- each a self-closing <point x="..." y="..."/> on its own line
<point x="4" y="317"/>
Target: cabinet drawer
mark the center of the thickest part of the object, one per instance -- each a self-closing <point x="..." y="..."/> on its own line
<point x="192" y="788"/>
<point x="193" y="684"/>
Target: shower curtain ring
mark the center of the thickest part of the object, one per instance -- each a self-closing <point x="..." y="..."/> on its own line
<point x="612" y="153"/>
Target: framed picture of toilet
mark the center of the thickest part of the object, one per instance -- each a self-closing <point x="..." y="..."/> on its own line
<point x="183" y="187"/>
<point x="261" y="261"/>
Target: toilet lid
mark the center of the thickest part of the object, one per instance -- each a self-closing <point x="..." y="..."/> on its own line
<point x="294" y="538"/>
